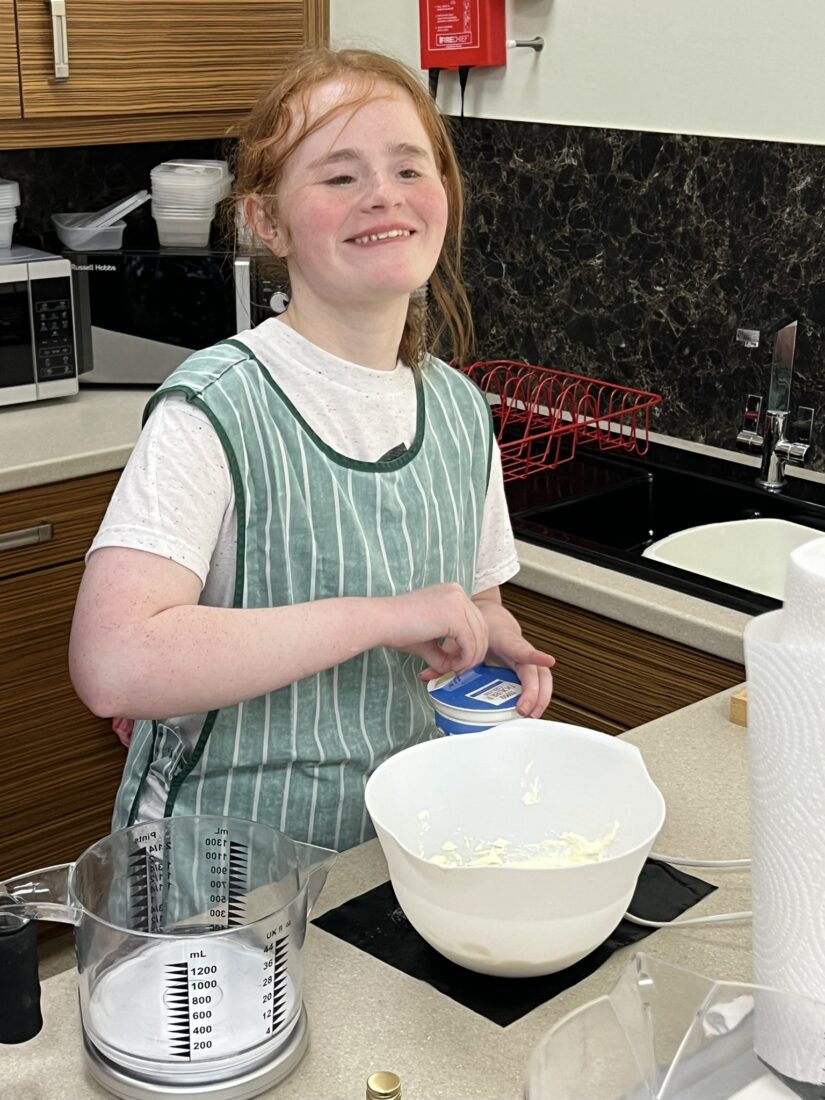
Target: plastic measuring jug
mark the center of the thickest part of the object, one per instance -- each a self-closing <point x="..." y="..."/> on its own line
<point x="666" y="1033"/>
<point x="188" y="934"/>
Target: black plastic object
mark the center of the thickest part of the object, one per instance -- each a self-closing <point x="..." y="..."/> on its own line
<point x="20" y="1018"/>
<point x="375" y="922"/>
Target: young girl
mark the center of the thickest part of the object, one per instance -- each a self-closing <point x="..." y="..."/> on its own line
<point x="312" y="523"/>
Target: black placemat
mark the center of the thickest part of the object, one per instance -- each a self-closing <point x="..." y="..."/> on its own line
<point x="375" y="923"/>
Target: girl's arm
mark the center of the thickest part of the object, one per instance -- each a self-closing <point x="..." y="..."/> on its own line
<point x="142" y="646"/>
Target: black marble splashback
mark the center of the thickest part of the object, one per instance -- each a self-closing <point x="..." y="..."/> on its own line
<point x="628" y="256"/>
<point x="635" y="257"/>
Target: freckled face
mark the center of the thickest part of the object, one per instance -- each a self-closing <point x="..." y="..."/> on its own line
<point x="362" y="209"/>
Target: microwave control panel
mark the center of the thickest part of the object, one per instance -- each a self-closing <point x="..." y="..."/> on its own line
<point x="54" y="348"/>
<point x="268" y="296"/>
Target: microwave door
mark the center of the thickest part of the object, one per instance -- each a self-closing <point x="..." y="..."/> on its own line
<point x="18" y="381"/>
<point x="145" y="312"/>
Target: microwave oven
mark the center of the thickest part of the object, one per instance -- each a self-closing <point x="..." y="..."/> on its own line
<point x="142" y="311"/>
<point x="38" y="354"/>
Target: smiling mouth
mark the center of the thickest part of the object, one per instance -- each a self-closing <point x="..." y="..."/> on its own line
<point x="391" y="234"/>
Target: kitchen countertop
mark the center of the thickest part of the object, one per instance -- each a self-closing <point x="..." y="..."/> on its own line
<point x="54" y="440"/>
<point x="47" y="441"/>
<point x="365" y="1015"/>
<point x="680" y="618"/>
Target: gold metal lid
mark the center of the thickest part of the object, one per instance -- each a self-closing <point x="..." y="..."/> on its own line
<point x="384" y="1086"/>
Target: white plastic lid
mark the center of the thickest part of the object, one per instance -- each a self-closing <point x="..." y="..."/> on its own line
<point x="175" y="173"/>
<point x="110" y="214"/>
<point x="198" y="164"/>
<point x="179" y="175"/>
<point x="9" y="193"/>
<point x="483" y="688"/>
<point x="75" y="221"/>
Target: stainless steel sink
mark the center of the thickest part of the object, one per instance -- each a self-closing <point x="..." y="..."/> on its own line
<point x="611" y="508"/>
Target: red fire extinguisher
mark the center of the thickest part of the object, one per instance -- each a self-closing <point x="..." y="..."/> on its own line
<point x="460" y="35"/>
<point x="462" y="32"/>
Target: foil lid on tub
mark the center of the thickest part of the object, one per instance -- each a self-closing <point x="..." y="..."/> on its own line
<point x="482" y="691"/>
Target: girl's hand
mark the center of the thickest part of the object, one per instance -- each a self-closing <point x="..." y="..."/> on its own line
<point x="508" y="646"/>
<point x="532" y="667"/>
<point x="442" y="625"/>
<point x="123" y="728"/>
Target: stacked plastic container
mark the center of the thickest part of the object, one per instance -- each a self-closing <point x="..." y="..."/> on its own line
<point x="185" y="194"/>
<point x="9" y="201"/>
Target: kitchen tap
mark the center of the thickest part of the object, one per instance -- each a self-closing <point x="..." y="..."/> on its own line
<point x="772" y="444"/>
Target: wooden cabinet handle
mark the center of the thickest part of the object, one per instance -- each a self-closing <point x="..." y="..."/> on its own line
<point x="60" y="42"/>
<point x="26" y="536"/>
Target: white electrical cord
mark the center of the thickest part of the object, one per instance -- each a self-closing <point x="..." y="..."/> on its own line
<point x="715" y="918"/>
<point x="679" y="861"/>
<point x="718" y="918"/>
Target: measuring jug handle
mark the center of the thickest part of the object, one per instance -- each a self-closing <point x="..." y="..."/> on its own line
<point x="20" y="1018"/>
<point x="43" y="893"/>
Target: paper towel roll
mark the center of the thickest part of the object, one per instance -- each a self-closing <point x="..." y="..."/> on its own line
<point x="803" y="618"/>
<point x="785" y="662"/>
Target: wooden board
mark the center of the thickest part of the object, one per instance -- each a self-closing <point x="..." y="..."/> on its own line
<point x="739" y="708"/>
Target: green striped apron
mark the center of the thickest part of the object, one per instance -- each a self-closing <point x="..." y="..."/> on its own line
<point x="314" y="524"/>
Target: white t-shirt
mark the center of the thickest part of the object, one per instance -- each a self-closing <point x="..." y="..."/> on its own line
<point x="176" y="499"/>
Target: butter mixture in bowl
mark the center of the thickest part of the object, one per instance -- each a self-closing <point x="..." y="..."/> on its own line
<point x="566" y="850"/>
<point x="516" y="851"/>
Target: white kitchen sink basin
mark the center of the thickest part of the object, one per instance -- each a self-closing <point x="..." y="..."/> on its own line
<point x="749" y="553"/>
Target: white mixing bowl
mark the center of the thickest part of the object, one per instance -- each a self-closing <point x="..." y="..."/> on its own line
<point x="509" y="920"/>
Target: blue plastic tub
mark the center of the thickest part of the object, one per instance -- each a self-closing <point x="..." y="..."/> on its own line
<point x="482" y="696"/>
<point x="449" y="726"/>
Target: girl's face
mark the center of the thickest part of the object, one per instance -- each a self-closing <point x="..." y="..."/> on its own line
<point x="362" y="209"/>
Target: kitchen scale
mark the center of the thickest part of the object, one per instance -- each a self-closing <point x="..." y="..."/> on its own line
<point x="189" y="937"/>
<point x="241" y="1086"/>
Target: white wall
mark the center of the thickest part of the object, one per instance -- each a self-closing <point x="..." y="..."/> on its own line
<point x="730" y="68"/>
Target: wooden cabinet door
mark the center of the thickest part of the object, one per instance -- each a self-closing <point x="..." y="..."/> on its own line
<point x="611" y="675"/>
<point x="9" y="77"/>
<point x="160" y="56"/>
<point x="72" y="509"/>
<point x="59" y="765"/>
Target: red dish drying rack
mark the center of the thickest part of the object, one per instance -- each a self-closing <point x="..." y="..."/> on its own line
<point x="541" y="415"/>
